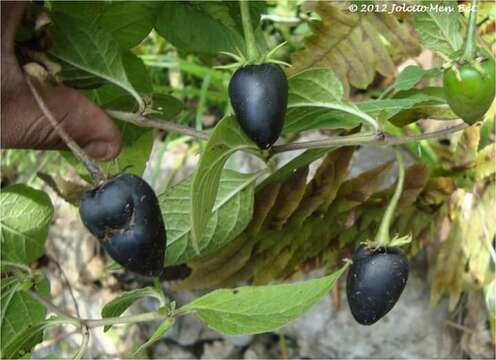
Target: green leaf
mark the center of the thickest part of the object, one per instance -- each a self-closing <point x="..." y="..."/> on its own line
<point x="90" y="48"/>
<point x="226" y="139"/>
<point x="20" y="314"/>
<point x="314" y="98"/>
<point x="258" y="309"/>
<point x="231" y="213"/>
<point x="387" y="109"/>
<point x="137" y="146"/>
<point x="213" y="31"/>
<point x="121" y="303"/>
<point x="24" y="220"/>
<point x="440" y="30"/>
<point x="136" y="72"/>
<point x="136" y="149"/>
<point x="412" y="75"/>
<point x="166" y="106"/>
<point x="25" y="340"/>
<point x="161" y="330"/>
<point x="129" y="22"/>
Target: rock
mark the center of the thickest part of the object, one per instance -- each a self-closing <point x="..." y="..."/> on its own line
<point x="220" y="350"/>
<point x="162" y="350"/>
<point x="413" y="329"/>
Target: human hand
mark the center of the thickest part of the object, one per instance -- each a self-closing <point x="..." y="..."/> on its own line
<point x="23" y="125"/>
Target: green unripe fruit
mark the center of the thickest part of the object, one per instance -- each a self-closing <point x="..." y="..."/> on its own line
<point x="470" y="95"/>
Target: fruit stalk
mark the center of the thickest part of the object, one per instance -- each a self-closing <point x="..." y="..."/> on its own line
<point x="95" y="172"/>
<point x="469" y="50"/>
<point x="383" y="238"/>
<point x="251" y="47"/>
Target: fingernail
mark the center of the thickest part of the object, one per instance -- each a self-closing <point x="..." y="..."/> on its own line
<point x="99" y="150"/>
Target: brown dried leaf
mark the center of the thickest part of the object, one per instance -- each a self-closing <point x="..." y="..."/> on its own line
<point x="264" y="201"/>
<point x="357" y="190"/>
<point x="290" y="194"/>
<point x="355" y="46"/>
<point x="322" y="190"/>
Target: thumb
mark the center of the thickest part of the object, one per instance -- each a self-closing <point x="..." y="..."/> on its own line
<point x="24" y="125"/>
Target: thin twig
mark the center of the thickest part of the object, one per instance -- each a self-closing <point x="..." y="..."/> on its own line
<point x="51" y="307"/>
<point x="95" y="173"/>
<point x="351" y="140"/>
<point x="84" y="343"/>
<point x="131" y="319"/>
<point x="157" y="123"/>
<point x="68" y="284"/>
<point x="92" y="323"/>
<point x="370" y="139"/>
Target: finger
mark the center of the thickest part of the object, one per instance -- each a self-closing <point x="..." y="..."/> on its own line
<point x="24" y="125"/>
<point x="12" y="12"/>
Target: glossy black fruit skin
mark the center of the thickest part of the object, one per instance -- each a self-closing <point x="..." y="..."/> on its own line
<point x="259" y="97"/>
<point x="375" y="282"/>
<point x="124" y="214"/>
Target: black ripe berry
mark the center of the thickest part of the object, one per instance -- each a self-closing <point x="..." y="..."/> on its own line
<point x="124" y="214"/>
<point x="259" y="96"/>
<point x="375" y="282"/>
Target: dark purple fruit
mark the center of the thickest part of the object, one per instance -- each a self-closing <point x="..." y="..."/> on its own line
<point x="375" y="282"/>
<point x="259" y="97"/>
<point x="124" y="214"/>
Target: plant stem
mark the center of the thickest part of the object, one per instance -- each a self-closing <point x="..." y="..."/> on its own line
<point x="95" y="172"/>
<point x="84" y="344"/>
<point x="131" y="319"/>
<point x="147" y="121"/>
<point x="382" y="238"/>
<point x="470" y="45"/>
<point x="358" y="139"/>
<point x="90" y="323"/>
<point x="367" y="139"/>
<point x="53" y="308"/>
<point x="251" y="46"/>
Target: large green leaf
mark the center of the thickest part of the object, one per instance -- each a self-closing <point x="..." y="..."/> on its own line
<point x="439" y="30"/>
<point x="231" y="213"/>
<point x="24" y="219"/>
<point x="129" y="22"/>
<point x="90" y="48"/>
<point x="213" y="27"/>
<point x="20" y="313"/>
<point x="226" y="139"/>
<point x="257" y="309"/>
<point x="315" y="101"/>
<point x="121" y="303"/>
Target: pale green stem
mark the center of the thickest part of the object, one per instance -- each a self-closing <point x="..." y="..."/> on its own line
<point x="251" y="46"/>
<point x="383" y="238"/>
<point x="469" y="50"/>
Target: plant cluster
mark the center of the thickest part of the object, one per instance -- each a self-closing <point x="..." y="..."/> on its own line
<point x="319" y="71"/>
